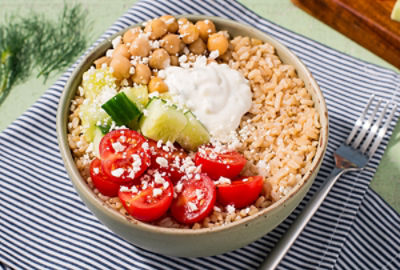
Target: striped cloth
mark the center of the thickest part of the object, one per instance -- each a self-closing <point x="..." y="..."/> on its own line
<point x="45" y="225"/>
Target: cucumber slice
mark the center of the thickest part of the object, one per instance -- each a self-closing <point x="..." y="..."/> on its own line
<point x="98" y="135"/>
<point x="161" y="121"/>
<point x="123" y="111"/>
<point x="138" y="95"/>
<point x="194" y="134"/>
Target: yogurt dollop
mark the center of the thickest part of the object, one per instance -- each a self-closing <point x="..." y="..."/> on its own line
<point x="218" y="95"/>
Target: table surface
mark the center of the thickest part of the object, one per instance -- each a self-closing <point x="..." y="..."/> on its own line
<point x="282" y="12"/>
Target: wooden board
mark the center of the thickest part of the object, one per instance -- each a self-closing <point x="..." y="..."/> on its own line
<point x="367" y="22"/>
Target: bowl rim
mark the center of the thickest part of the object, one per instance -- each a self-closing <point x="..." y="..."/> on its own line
<point x="80" y="184"/>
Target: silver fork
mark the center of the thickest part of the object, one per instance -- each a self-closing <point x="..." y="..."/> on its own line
<point x="350" y="156"/>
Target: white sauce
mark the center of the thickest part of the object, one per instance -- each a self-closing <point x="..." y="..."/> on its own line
<point x="218" y="95"/>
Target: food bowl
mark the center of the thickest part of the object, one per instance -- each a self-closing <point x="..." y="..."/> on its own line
<point x="205" y="241"/>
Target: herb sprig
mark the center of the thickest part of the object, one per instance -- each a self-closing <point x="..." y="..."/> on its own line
<point x="35" y="42"/>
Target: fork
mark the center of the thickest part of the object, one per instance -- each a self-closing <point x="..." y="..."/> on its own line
<point x="352" y="155"/>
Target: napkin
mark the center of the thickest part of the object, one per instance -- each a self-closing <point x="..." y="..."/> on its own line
<point x="45" y="225"/>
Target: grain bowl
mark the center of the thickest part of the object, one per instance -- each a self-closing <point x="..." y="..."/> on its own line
<point x="230" y="125"/>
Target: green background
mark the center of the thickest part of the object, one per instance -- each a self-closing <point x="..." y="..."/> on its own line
<point x="103" y="13"/>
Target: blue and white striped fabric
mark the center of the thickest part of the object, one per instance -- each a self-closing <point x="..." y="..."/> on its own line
<point x="45" y="225"/>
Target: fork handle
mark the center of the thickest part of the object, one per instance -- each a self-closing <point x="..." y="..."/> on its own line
<point x="286" y="241"/>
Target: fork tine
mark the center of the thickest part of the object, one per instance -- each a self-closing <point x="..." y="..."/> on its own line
<point x="374" y="129"/>
<point x="382" y="132"/>
<point x="365" y="127"/>
<point x="359" y="120"/>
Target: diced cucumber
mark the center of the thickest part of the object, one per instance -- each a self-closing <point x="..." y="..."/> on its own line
<point x="91" y="114"/>
<point x="98" y="135"/>
<point x="95" y="80"/>
<point x="194" y="134"/>
<point x="161" y="121"/>
<point x="138" y="95"/>
<point x="122" y="111"/>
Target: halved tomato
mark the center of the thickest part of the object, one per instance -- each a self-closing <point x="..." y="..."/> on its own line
<point x="101" y="181"/>
<point x="195" y="201"/>
<point x="124" y="156"/>
<point x="151" y="201"/>
<point x="241" y="192"/>
<point x="215" y="164"/>
<point x="173" y="159"/>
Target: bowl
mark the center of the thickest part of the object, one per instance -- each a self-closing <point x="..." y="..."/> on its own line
<point x="206" y="241"/>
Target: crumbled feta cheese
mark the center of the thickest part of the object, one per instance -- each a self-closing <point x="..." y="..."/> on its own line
<point x="192" y="207"/>
<point x="178" y="187"/>
<point x="165" y="184"/>
<point x="157" y="192"/>
<point x="199" y="194"/>
<point x="109" y="53"/>
<point x="158" y="179"/>
<point x="214" y="54"/>
<point x="217" y="209"/>
<point x="182" y="59"/>
<point x="222" y="180"/>
<point x="116" y="41"/>
<point x="117" y="172"/>
<point x="145" y="146"/>
<point x="118" y="147"/>
<point x="161" y="74"/>
<point x="136" y="166"/>
<point x="230" y="208"/>
<point x="124" y="189"/>
<point x="132" y="70"/>
<point x="162" y="162"/>
<point x="186" y="50"/>
<point x="159" y="143"/>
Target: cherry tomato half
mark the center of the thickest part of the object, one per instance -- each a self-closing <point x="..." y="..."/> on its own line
<point x="150" y="202"/>
<point x="174" y="160"/>
<point x="123" y="155"/>
<point x="241" y="192"/>
<point x="195" y="201"/>
<point x="101" y="181"/>
<point x="228" y="164"/>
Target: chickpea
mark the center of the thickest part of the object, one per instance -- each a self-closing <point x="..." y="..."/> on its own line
<point x="159" y="59"/>
<point x="131" y="35"/>
<point x="156" y="84"/>
<point x="157" y="28"/>
<point x="142" y="74"/>
<point x="206" y="28"/>
<point x="170" y="21"/>
<point x="140" y="47"/>
<point x="198" y="47"/>
<point x="218" y="41"/>
<point x="189" y="32"/>
<point x="182" y="21"/>
<point x="171" y="43"/>
<point x="174" y="60"/>
<point x="102" y="60"/>
<point x="120" y="66"/>
<point x="122" y="50"/>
